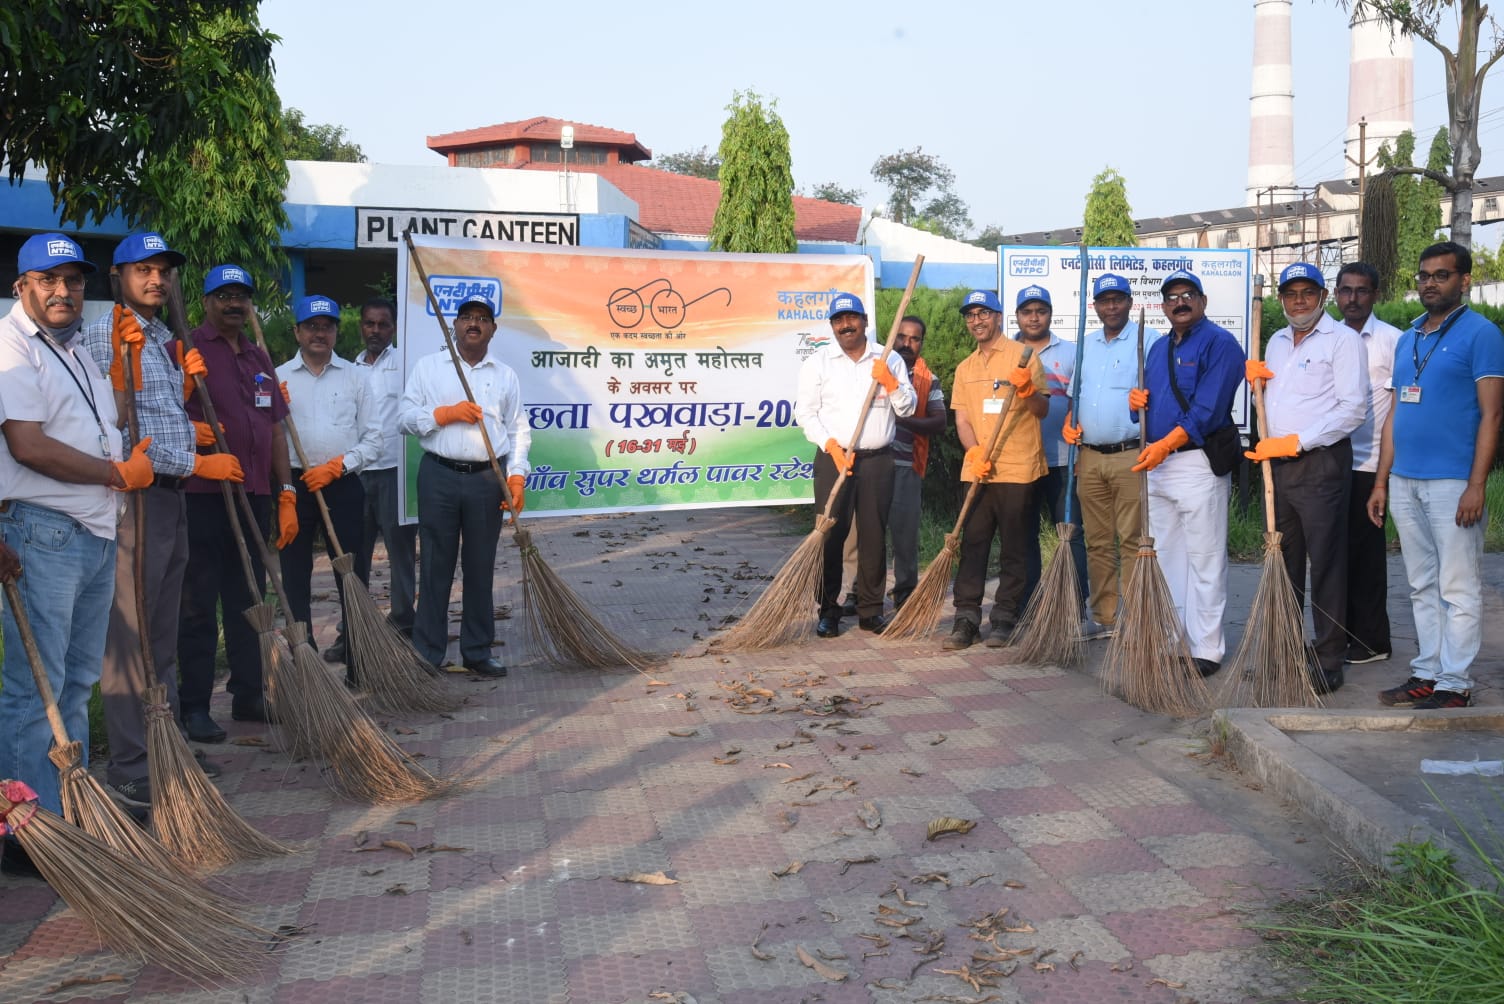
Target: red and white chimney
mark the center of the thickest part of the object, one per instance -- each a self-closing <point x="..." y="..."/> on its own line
<point x="1380" y="89"/>
<point x="1271" y="117"/>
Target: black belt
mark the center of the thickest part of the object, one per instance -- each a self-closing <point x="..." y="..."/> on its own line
<point x="1127" y="444"/>
<point x="169" y="482"/>
<point x="1306" y="453"/>
<point x="461" y="466"/>
<point x="861" y="454"/>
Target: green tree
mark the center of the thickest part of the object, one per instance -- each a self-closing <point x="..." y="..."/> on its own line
<point x="990" y="237"/>
<point x="919" y="185"/>
<point x="946" y="215"/>
<point x="307" y="141"/>
<point x="756" y="211"/>
<point x="831" y="191"/>
<point x="699" y="163"/>
<point x="1488" y="265"/>
<point x="1109" y="218"/>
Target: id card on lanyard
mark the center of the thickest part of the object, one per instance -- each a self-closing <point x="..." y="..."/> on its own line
<point x="263" y="398"/>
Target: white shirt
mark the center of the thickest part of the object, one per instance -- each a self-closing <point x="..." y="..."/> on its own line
<point x="334" y="413"/>
<point x="385" y="376"/>
<point x="1320" y="387"/>
<point x="832" y="388"/>
<point x="433" y="382"/>
<point x="1379" y="340"/>
<point x="36" y="387"/>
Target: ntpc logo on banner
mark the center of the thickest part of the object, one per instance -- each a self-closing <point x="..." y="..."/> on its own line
<point x="451" y="290"/>
<point x="62" y="249"/>
<point x="1029" y="265"/>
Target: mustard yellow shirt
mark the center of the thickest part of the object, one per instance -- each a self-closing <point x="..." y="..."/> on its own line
<point x="982" y="377"/>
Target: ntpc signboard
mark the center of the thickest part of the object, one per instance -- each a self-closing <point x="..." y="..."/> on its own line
<point x="1226" y="275"/>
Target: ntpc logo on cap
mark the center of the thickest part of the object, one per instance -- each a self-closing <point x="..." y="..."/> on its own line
<point x="845" y="303"/>
<point x="475" y="298"/>
<point x="1301" y="270"/>
<point x="316" y="306"/>
<point x="1031" y="293"/>
<point x="139" y="247"/>
<point x="48" y="251"/>
<point x="1110" y="283"/>
<point x="982" y="298"/>
<point x="227" y="275"/>
<point x="1182" y="275"/>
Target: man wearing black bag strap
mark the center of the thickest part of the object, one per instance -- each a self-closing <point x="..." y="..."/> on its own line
<point x="1190" y="380"/>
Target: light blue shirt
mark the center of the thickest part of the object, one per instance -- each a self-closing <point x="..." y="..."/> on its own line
<point x="1058" y="359"/>
<point x="1109" y="370"/>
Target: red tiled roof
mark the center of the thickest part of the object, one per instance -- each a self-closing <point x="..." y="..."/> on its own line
<point x="540" y="129"/>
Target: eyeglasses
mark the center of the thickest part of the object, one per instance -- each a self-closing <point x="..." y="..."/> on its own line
<point x="977" y="315"/>
<point x="1439" y="276"/>
<point x="50" y="282"/>
<point x="1186" y="297"/>
<point x="229" y="296"/>
<point x="473" y="315"/>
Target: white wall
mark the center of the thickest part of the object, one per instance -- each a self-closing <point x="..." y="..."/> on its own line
<point x="444" y="187"/>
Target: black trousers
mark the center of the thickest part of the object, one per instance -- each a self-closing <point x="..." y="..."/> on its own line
<point x="346" y="498"/>
<point x="865" y="498"/>
<point x="1008" y="512"/>
<point x="1050" y="502"/>
<point x="214" y="579"/>
<point x="1310" y="511"/>
<point x="1367" y="572"/>
<point x="459" y="521"/>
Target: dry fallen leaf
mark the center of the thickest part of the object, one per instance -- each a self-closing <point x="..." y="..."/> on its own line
<point x="801" y="777"/>
<point x="792" y="868"/>
<point x="398" y="845"/>
<point x="938" y="739"/>
<point x="824" y="971"/>
<point x="846" y="863"/>
<point x="400" y="889"/>
<point x="870" y="816"/>
<point x="911" y="772"/>
<point x="1014" y="884"/>
<point x="249" y="741"/>
<point x="403" y="730"/>
<point x="683" y="734"/>
<point x="758" y="953"/>
<point x="725" y="761"/>
<point x="646" y="878"/>
<point x="1072" y="961"/>
<point x="1122" y="967"/>
<point x="779" y="764"/>
<point x="949" y="824"/>
<point x="1161" y="981"/>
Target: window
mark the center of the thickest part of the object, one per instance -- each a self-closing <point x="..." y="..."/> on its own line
<point x="484" y="156"/>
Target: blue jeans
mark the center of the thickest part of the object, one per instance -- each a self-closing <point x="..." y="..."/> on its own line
<point x="1444" y="563"/>
<point x="66" y="585"/>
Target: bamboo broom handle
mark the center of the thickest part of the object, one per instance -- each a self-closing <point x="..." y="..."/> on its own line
<point x="1255" y="337"/>
<point x="1143" y="437"/>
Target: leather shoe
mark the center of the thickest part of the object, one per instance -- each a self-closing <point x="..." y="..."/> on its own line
<point x="1206" y="667"/>
<point x="828" y="627"/>
<point x="250" y="709"/>
<point x="201" y="728"/>
<point x="486" y="667"/>
<point x="848" y="608"/>
<point x="1326" y="681"/>
<point x="336" y="652"/>
<point x="873" y="624"/>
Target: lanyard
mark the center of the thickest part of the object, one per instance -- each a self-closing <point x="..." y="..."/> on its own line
<point x="82" y="385"/>
<point x="1420" y="364"/>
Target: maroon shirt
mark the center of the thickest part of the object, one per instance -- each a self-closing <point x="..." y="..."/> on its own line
<point x="233" y="385"/>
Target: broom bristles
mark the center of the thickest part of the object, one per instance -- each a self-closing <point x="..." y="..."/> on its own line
<point x="133" y="909"/>
<point x="1050" y="631"/>
<point x="1271" y="668"/>
<point x="1148" y="663"/>
<point x="920" y="613"/>
<point x="781" y="614"/>
<point x="391" y="672"/>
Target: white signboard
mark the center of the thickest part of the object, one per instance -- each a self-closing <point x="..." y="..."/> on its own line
<point x="383" y="228"/>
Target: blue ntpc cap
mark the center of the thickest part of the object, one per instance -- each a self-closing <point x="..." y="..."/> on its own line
<point x="1030" y="293"/>
<point x="1301" y="270"/>
<point x="227" y="275"/>
<point x="47" y="251"/>
<point x="846" y="303"/>
<point x="139" y="247"/>
<point x="982" y="298"/>
<point x="480" y="298"/>
<point x="1182" y="275"/>
<point x="1110" y="283"/>
<point x="316" y="306"/>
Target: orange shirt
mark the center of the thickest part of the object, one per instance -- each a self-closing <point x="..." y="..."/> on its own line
<point x="982" y="377"/>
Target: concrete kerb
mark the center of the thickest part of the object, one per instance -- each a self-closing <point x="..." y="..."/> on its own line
<point x="1352" y="812"/>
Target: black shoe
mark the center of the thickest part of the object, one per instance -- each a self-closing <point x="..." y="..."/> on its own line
<point x="829" y="627"/>
<point x="250" y="709"/>
<point x="14" y="861"/>
<point x="962" y="634"/>
<point x="1412" y="691"/>
<point x="1206" y="667"/>
<point x="1326" y="681"/>
<point x="999" y="635"/>
<point x="486" y="667"/>
<point x="873" y="624"/>
<point x="335" y="652"/>
<point x="201" y="728"/>
<point x="1359" y="655"/>
<point x="351" y="681"/>
<point x="1445" y="699"/>
<point x="848" y="609"/>
<point x="209" y="767"/>
<point x="137" y="792"/>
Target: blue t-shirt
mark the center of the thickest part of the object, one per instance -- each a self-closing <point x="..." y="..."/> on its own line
<point x="1208" y="370"/>
<point x="1435" y="436"/>
<point x="1058" y="358"/>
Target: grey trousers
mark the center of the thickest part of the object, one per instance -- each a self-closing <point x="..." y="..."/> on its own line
<point x="459" y="521"/>
<point x="381" y="516"/>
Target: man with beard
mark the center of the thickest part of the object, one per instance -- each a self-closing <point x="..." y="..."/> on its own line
<point x="242" y="384"/>
<point x="1438" y="445"/>
<point x="911" y="452"/>
<point x="459" y="500"/>
<point x="833" y="386"/>
<point x="1315" y="396"/>
<point x="378" y="323"/>
<point x="143" y="267"/>
<point x="1201" y="363"/>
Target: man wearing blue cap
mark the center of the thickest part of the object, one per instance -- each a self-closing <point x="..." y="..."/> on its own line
<point x="459" y="500"/>
<point x="59" y="471"/>
<point x="1315" y="379"/>
<point x="1190" y="379"/>
<point x="142" y="271"/>
<point x="331" y="403"/>
<point x="833" y="386"/>
<point x="1107" y="441"/>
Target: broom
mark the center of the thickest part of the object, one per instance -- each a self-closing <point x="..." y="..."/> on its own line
<point x="1050" y="631"/>
<point x="391" y="671"/>
<point x="1269" y="670"/>
<point x="134" y="909"/>
<point x="921" y="611"/>
<point x="317" y="713"/>
<point x="560" y="623"/>
<point x="1148" y="663"/>
<point x="780" y="615"/>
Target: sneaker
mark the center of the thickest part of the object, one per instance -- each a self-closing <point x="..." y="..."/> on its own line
<point x="1361" y="655"/>
<point x="1407" y="693"/>
<point x="962" y="634"/>
<point x="1092" y="630"/>
<point x="1445" y="699"/>
<point x="137" y="792"/>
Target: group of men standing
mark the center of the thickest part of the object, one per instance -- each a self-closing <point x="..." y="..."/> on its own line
<point x="1359" y="415"/>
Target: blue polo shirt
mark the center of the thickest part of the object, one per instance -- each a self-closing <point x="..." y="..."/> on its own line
<point x="1435" y="436"/>
<point x="1109" y="370"/>
<point x="1058" y="358"/>
<point x="1208" y="369"/>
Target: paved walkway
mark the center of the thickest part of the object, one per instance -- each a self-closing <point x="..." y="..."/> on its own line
<point x="787" y="794"/>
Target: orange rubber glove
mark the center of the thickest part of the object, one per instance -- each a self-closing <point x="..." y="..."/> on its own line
<point x="1022" y="381"/>
<point x="203" y="435"/>
<point x="884" y="376"/>
<point x="1070" y="433"/>
<point x="1255" y="370"/>
<point x="465" y="411"/>
<point x="287" y="519"/>
<point x="135" y="471"/>
<point x="218" y="467"/>
<point x="1155" y="453"/>
<point x="192" y="365"/>
<point x="516" y="484"/>
<point x="1275" y="446"/>
<point x="286" y="397"/>
<point x="325" y="474"/>
<point x="977" y="465"/>
<point x="126" y="332"/>
<point x="839" y="456"/>
<point x="1138" y="399"/>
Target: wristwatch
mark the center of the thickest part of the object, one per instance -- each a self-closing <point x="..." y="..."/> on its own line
<point x="289" y="488"/>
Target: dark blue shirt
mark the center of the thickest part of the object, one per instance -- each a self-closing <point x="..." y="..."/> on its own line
<point x="1208" y="369"/>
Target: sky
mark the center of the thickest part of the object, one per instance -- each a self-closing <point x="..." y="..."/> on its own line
<point x="1024" y="102"/>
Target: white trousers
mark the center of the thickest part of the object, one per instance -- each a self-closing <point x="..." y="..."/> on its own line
<point x="1188" y="518"/>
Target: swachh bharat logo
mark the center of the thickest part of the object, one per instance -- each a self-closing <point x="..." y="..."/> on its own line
<point x="451" y="290"/>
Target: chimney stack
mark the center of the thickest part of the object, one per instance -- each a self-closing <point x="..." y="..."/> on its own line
<point x="1271" y="118"/>
<point x="1380" y="88"/>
